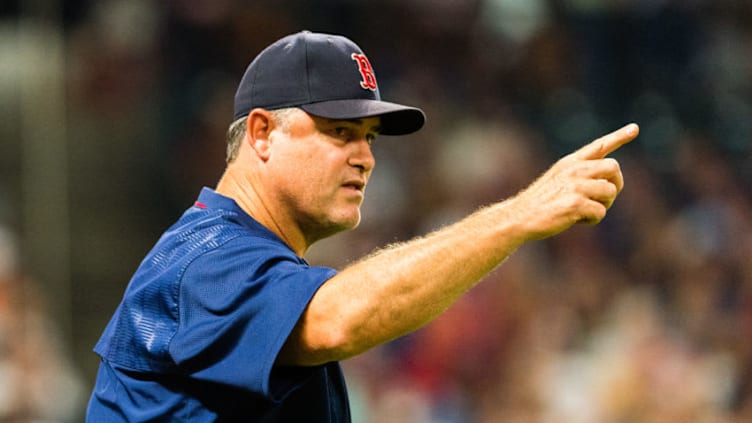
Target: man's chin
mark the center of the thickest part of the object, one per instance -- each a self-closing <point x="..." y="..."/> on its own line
<point x="335" y="226"/>
<point x="348" y="224"/>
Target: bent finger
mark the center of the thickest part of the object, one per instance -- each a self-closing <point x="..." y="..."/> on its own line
<point x="593" y="213"/>
<point x="607" y="169"/>
<point x="601" y="190"/>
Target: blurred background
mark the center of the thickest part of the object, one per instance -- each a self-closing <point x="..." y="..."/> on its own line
<point x="113" y="115"/>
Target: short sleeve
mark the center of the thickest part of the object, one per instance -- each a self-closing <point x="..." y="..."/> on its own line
<point x="237" y="305"/>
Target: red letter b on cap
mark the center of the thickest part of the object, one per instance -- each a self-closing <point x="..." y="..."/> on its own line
<point x="366" y="71"/>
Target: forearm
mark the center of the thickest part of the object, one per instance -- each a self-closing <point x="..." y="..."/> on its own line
<point x="401" y="288"/>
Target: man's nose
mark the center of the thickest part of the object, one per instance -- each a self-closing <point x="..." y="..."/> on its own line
<point x="362" y="156"/>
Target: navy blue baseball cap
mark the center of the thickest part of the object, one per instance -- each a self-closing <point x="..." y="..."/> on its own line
<point x="327" y="76"/>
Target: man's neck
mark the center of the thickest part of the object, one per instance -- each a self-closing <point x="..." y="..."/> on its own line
<point x="241" y="187"/>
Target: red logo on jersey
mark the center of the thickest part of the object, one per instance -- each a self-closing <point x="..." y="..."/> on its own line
<point x="366" y="71"/>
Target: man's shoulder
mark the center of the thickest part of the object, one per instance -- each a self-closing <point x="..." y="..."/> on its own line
<point x="213" y="226"/>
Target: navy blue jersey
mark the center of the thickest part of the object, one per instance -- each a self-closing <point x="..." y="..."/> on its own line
<point x="201" y="323"/>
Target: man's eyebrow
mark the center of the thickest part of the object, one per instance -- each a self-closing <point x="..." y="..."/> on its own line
<point x="356" y="121"/>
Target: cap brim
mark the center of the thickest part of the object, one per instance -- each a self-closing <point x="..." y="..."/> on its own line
<point x="396" y="119"/>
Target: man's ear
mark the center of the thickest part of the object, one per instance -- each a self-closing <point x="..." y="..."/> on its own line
<point x="259" y="126"/>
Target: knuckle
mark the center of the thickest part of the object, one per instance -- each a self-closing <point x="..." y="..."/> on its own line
<point x="575" y="202"/>
<point x="613" y="164"/>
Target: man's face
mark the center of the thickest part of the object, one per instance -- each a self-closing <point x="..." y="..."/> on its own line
<point x="321" y="167"/>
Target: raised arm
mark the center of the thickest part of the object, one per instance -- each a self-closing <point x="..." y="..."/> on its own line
<point x="403" y="287"/>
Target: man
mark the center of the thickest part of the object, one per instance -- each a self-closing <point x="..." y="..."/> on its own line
<point x="225" y="321"/>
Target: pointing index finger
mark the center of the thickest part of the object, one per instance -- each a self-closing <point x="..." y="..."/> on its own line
<point x="609" y="143"/>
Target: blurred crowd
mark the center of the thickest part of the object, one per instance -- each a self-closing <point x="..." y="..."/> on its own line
<point x="646" y="317"/>
<point x="40" y="384"/>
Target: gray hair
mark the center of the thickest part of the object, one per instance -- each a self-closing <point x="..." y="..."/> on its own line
<point x="282" y="117"/>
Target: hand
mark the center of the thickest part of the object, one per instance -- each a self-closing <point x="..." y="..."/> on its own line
<point x="579" y="188"/>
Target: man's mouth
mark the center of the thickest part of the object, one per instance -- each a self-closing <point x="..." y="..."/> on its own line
<point x="356" y="185"/>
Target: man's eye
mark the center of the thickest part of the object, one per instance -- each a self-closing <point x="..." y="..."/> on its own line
<point x="341" y="132"/>
<point x="370" y="138"/>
